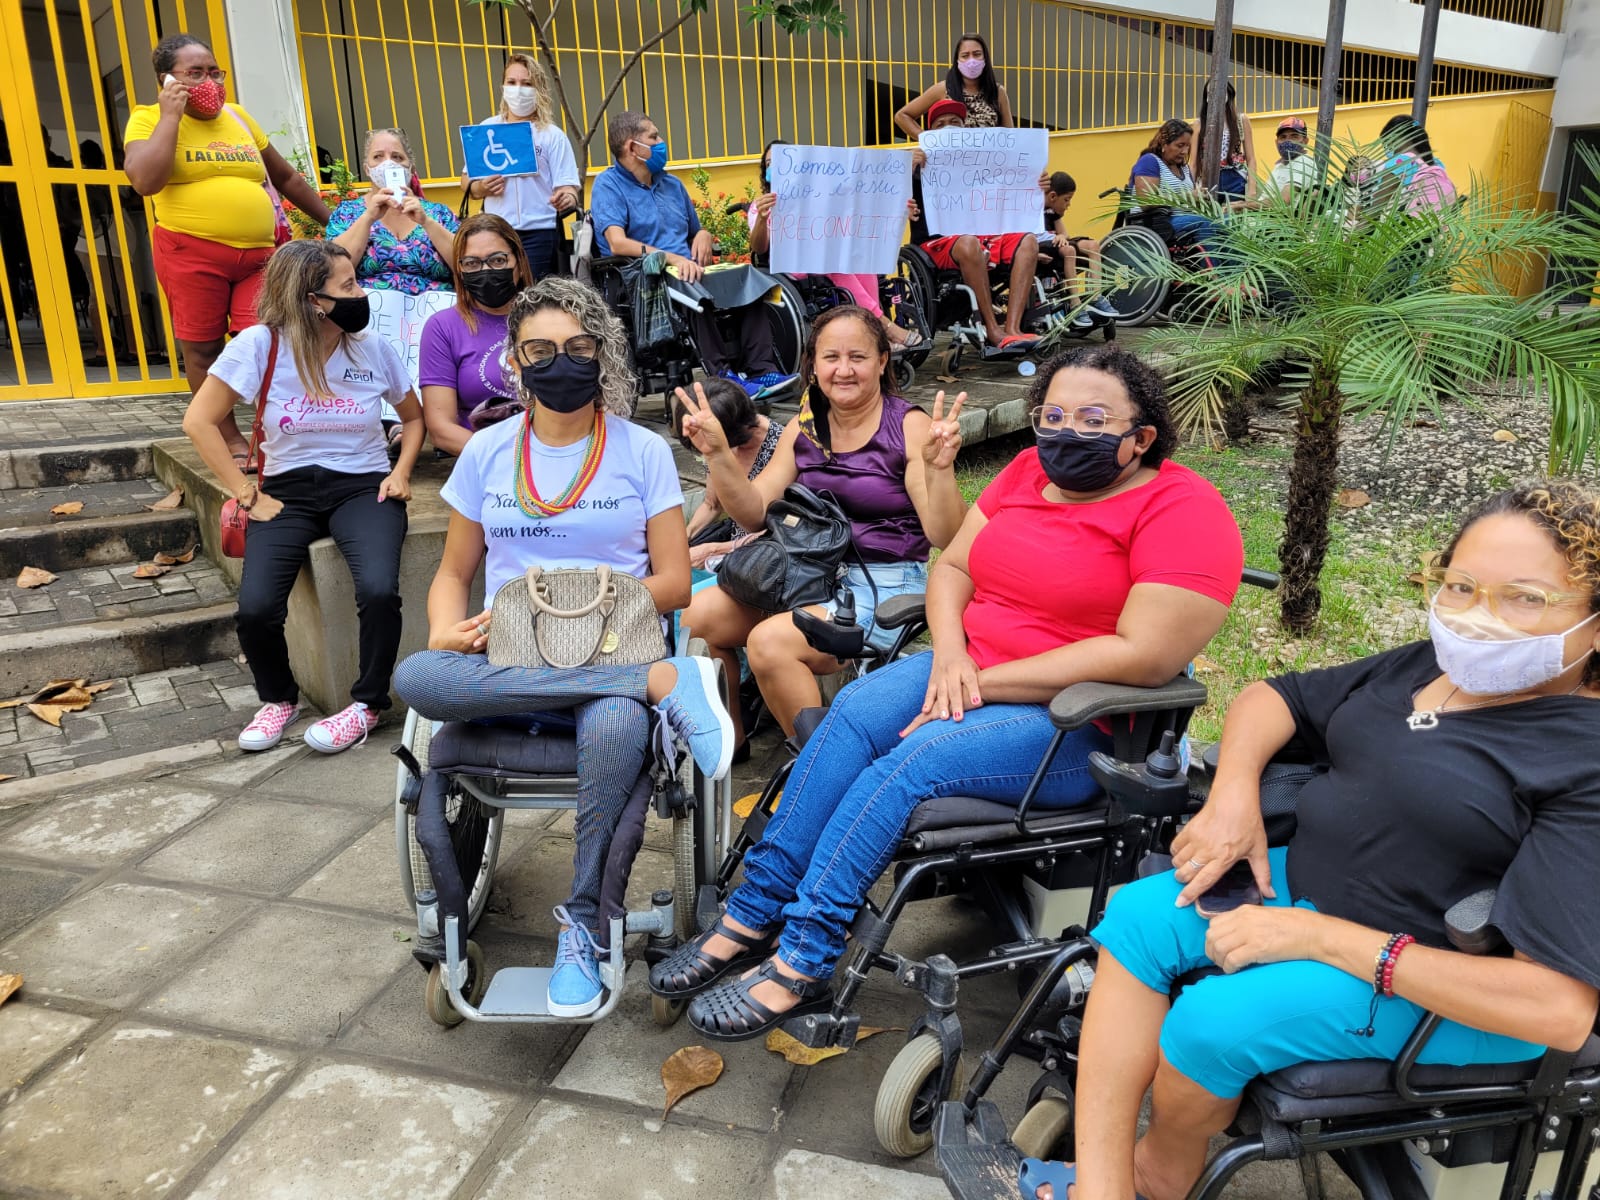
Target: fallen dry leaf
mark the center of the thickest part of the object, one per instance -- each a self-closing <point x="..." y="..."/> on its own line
<point x="171" y="500"/>
<point x="3" y="778"/>
<point x="1424" y="423"/>
<point x="800" y="1055"/>
<point x="94" y="689"/>
<point x="150" y="570"/>
<point x="8" y="983"/>
<point x="947" y="379"/>
<point x="70" y="509"/>
<point x="1202" y="663"/>
<point x="1504" y="435"/>
<point x="166" y="558"/>
<point x="32" y="577"/>
<point x="745" y="805"/>
<point x="1352" y="498"/>
<point x="50" y="714"/>
<point x="688" y="1070"/>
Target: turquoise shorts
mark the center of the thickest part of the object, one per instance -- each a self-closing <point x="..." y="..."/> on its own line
<point x="1226" y="1030"/>
<point x="891" y="579"/>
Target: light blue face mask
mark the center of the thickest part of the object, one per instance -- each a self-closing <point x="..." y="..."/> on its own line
<point x="657" y="162"/>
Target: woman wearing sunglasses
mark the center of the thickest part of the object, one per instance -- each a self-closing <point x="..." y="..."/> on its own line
<point x="569" y="482"/>
<point x="1092" y="557"/>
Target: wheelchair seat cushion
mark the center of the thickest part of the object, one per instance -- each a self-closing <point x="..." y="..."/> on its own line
<point x="502" y="752"/>
<point x="945" y="822"/>
<point x="1360" y="1087"/>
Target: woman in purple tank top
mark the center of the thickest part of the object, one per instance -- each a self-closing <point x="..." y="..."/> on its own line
<point x="892" y="470"/>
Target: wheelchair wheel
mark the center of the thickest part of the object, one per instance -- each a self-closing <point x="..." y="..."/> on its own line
<point x="916" y="278"/>
<point x="901" y="306"/>
<point x="1125" y="254"/>
<point x="685" y="879"/>
<point x="908" y="1099"/>
<point x="787" y="315"/>
<point x="436" y="998"/>
<point x="664" y="1012"/>
<point x="1045" y="1130"/>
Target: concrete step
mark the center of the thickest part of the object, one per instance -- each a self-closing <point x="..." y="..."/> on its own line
<point x="118" y="498"/>
<point x="86" y="460"/>
<point x="110" y="647"/>
<point x="108" y="594"/>
<point x="75" y="542"/>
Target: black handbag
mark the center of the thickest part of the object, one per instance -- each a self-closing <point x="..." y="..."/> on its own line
<point x="799" y="561"/>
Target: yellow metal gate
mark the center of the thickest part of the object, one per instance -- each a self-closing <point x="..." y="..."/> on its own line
<point x="80" y="312"/>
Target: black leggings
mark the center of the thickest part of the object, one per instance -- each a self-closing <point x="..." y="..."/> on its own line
<point x="318" y="503"/>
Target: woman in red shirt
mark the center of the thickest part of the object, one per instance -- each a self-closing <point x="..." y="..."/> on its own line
<point x="1091" y="557"/>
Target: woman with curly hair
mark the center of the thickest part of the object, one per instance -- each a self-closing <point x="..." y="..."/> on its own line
<point x="1092" y="557"/>
<point x="571" y="483"/>
<point x="1447" y="766"/>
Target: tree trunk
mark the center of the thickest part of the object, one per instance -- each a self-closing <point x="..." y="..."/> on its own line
<point x="1236" y="413"/>
<point x="1313" y="480"/>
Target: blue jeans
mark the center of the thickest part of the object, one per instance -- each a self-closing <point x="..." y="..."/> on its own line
<point x="1227" y="1029"/>
<point x="540" y="247"/>
<point x="855" y="786"/>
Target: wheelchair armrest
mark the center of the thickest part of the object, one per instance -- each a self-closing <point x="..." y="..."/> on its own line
<point x="1467" y="924"/>
<point x="1257" y="577"/>
<point x="900" y="611"/>
<point x="1075" y="706"/>
<point x="610" y="262"/>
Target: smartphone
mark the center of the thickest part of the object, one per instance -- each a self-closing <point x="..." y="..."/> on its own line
<point x="394" y="177"/>
<point x="169" y="79"/>
<point x="1234" y="890"/>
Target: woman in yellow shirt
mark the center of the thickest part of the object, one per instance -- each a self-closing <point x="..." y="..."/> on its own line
<point x="207" y="164"/>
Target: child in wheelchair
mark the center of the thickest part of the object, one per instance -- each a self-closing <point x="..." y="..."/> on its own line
<point x="1441" y="769"/>
<point x="570" y="484"/>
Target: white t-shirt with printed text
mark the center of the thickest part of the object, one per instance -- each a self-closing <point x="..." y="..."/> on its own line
<point x="342" y="431"/>
<point x="636" y="481"/>
<point x="526" y="200"/>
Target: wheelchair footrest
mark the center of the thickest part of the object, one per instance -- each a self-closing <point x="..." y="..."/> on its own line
<point x="525" y="991"/>
<point x="976" y="1158"/>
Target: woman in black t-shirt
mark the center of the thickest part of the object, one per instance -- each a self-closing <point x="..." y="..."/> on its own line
<point x="1449" y="766"/>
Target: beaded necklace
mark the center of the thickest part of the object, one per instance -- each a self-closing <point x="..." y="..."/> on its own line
<point x="528" y="498"/>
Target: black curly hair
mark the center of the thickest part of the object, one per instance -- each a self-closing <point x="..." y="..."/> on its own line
<point x="1145" y="388"/>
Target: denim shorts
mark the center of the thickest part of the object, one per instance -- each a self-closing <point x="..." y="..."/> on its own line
<point x="891" y="579"/>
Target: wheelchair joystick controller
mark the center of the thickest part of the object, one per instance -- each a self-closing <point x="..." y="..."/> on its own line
<point x="1154" y="788"/>
<point x="1162" y="762"/>
<point x="844" y="612"/>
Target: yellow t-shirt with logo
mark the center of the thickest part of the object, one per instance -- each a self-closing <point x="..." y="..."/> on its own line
<point x="215" y="191"/>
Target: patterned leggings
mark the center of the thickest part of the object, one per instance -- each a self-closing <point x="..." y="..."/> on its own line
<point x="613" y="726"/>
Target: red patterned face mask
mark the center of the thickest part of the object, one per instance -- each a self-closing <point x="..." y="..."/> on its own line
<point x="206" y="99"/>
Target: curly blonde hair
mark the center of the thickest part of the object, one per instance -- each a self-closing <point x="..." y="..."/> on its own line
<point x="544" y="112"/>
<point x="618" y="388"/>
<point x="1569" y="512"/>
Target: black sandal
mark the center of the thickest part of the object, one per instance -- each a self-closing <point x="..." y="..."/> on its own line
<point x="731" y="1014"/>
<point x="689" y="970"/>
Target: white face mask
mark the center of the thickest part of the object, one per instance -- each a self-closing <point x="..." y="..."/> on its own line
<point x="520" y="99"/>
<point x="1484" y="656"/>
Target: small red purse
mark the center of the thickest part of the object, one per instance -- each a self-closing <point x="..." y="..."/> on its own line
<point x="235" y="516"/>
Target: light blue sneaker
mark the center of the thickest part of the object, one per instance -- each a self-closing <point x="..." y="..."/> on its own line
<point x="694" y="710"/>
<point x="575" y="984"/>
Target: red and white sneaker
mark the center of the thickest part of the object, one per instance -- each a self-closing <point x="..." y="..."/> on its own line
<point x="347" y="727"/>
<point x="266" y="728"/>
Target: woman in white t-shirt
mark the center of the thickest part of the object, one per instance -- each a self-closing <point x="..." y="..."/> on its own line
<point x="569" y="483"/>
<point x="533" y="204"/>
<point x="325" y="473"/>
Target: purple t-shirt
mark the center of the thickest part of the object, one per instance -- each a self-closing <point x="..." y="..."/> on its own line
<point x="451" y="355"/>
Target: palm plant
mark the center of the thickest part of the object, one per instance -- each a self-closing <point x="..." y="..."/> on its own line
<point x="1376" y="313"/>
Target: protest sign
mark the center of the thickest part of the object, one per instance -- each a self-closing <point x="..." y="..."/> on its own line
<point x="505" y="149"/>
<point x="838" y="211"/>
<point x="984" y="181"/>
<point x="398" y="319"/>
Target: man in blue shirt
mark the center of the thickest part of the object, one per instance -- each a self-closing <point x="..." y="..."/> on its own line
<point x="639" y="209"/>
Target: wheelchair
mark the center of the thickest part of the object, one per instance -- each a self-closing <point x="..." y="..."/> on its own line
<point x="454" y="784"/>
<point x="1398" y="1130"/>
<point x="1132" y="242"/>
<point x="672" y="363"/>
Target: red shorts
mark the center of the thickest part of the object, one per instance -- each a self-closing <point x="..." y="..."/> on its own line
<point x="211" y="288"/>
<point x="1001" y="248"/>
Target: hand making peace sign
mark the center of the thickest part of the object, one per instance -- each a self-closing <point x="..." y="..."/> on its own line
<point x="943" y="442"/>
<point x="700" y="424"/>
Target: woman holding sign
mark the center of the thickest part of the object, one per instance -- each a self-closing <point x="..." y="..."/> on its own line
<point x="400" y="242"/>
<point x="532" y="204"/>
<point x="970" y="81"/>
<point x="889" y="466"/>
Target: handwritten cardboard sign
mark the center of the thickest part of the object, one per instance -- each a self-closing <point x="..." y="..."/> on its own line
<point x="398" y="319"/>
<point x="838" y="211"/>
<point x="984" y="181"/>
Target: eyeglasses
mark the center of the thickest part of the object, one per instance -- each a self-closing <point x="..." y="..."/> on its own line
<point x="1050" y="421"/>
<point x="200" y="75"/>
<point x="495" y="262"/>
<point x="539" y="352"/>
<point x="1520" y="604"/>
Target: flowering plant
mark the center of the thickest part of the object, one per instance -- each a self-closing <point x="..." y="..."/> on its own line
<point x="339" y="185"/>
<point x="730" y="230"/>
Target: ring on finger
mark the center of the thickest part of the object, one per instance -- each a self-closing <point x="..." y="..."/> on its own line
<point x="483" y="631"/>
<point x="1196" y="863"/>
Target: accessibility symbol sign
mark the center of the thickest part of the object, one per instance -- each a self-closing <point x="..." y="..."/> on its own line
<point x="499" y="149"/>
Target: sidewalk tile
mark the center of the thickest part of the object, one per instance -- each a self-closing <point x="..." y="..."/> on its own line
<point x="357" y="1132"/>
<point x="133" y="1114"/>
<point x="802" y="1175"/>
<point x="605" y="1155"/>
<point x="102" y="828"/>
<point x="362" y="775"/>
<point x="25" y="892"/>
<point x="29" y="1035"/>
<point x="247" y="770"/>
<point x="621" y="1058"/>
<point x="116" y="941"/>
<point x="256" y="845"/>
<point x="289" y="973"/>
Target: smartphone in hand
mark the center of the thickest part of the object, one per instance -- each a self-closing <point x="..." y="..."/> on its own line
<point x="1235" y="889"/>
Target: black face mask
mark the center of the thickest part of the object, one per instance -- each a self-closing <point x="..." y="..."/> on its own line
<point x="563" y="384"/>
<point x="1076" y="464"/>
<point x="491" y="288"/>
<point x="349" y="313"/>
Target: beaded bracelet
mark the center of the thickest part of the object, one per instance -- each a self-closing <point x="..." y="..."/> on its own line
<point x="1393" y="960"/>
<point x="1383" y="979"/>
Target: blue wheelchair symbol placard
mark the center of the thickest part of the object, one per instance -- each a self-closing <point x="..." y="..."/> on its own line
<point x="499" y="149"/>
